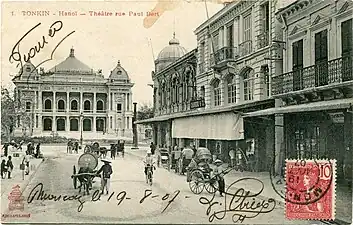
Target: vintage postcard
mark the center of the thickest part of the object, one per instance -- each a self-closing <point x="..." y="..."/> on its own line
<point x="177" y="112"/>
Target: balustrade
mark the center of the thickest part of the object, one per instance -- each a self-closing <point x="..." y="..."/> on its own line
<point x="263" y="40"/>
<point x="245" y="48"/>
<point x="223" y="54"/>
<point x="321" y="74"/>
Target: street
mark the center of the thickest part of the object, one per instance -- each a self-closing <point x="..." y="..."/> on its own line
<point x="130" y="199"/>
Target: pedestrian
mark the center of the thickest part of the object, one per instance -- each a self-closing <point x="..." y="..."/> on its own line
<point x="6" y="149"/>
<point x="232" y="157"/>
<point x="122" y="148"/>
<point x="153" y="148"/>
<point x="76" y="147"/>
<point x="105" y="177"/>
<point x="3" y="169"/>
<point x="218" y="172"/>
<point x="37" y="151"/>
<point x="9" y="167"/>
<point x="112" y="151"/>
<point x="25" y="161"/>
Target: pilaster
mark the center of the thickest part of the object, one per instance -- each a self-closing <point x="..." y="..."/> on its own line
<point x="94" y="102"/>
<point x="81" y="101"/>
<point x="67" y="123"/>
<point x="54" y="101"/>
<point x="67" y="101"/>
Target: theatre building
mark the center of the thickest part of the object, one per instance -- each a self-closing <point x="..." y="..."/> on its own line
<point x="72" y="98"/>
<point x="314" y="92"/>
<point x="231" y="77"/>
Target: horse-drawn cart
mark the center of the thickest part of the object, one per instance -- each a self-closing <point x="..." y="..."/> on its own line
<point x="87" y="165"/>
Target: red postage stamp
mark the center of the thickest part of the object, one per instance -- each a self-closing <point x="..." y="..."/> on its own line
<point x="310" y="189"/>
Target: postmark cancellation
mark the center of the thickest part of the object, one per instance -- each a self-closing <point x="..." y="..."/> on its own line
<point x="310" y="189"/>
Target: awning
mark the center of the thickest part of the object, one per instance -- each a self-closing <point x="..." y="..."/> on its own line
<point x="309" y="107"/>
<point x="222" y="126"/>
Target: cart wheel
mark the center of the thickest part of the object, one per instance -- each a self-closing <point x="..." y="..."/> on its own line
<point x="211" y="187"/>
<point x="74" y="178"/>
<point x="196" y="184"/>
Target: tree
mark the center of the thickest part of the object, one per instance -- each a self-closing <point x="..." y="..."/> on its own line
<point x="8" y="115"/>
<point x="10" y="111"/>
<point x="145" y="112"/>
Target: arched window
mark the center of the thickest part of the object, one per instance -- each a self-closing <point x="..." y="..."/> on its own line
<point x="48" y="124"/>
<point x="74" y="105"/>
<point x="100" y="125"/>
<point x="60" y="125"/>
<point x="231" y="89"/>
<point x="175" y="89"/>
<point x="248" y="84"/>
<point x="87" y="105"/>
<point x="74" y="125"/>
<point x="61" y="105"/>
<point x="100" y="105"/>
<point x="217" y="93"/>
<point x="87" y="126"/>
<point x="47" y="104"/>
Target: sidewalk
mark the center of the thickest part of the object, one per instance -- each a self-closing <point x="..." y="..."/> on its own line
<point x="8" y="184"/>
<point x="343" y="194"/>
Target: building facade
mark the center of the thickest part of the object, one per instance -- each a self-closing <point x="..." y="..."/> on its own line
<point x="230" y="77"/>
<point x="314" y="92"/>
<point x="72" y="98"/>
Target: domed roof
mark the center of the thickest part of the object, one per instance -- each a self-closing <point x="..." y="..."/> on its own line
<point x="71" y="64"/>
<point x="172" y="51"/>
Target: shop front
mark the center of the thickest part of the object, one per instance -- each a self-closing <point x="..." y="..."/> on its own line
<point x="316" y="130"/>
<point x="218" y="132"/>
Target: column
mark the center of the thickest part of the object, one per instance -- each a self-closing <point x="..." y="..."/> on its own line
<point x="279" y="140"/>
<point x="94" y="123"/>
<point x="54" y="101"/>
<point x="40" y="104"/>
<point x="81" y="101"/>
<point x="54" y="124"/>
<point x="348" y="144"/>
<point x="67" y="123"/>
<point x="35" y="107"/>
<point x="94" y="102"/>
<point x="67" y="101"/>
<point x="108" y="101"/>
<point x="127" y="101"/>
<point x="159" y="134"/>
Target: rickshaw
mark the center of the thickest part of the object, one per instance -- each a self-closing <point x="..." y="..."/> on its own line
<point x="164" y="156"/>
<point x="85" y="161"/>
<point x="184" y="162"/>
<point x="199" y="173"/>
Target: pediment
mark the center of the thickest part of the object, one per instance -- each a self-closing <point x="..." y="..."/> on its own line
<point x="344" y="7"/>
<point x="294" y="30"/>
<point x="317" y="19"/>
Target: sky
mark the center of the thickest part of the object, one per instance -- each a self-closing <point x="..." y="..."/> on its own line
<point x="100" y="41"/>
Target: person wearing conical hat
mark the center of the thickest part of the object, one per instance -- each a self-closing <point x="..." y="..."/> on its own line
<point x="105" y="177"/>
<point x="218" y="172"/>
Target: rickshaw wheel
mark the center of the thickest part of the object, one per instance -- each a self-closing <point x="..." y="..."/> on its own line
<point x="211" y="187"/>
<point x="74" y="179"/>
<point x="196" y="184"/>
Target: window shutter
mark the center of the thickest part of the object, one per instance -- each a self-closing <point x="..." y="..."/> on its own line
<point x="295" y="55"/>
<point x="323" y="44"/>
<point x="346" y="36"/>
<point x="317" y="46"/>
<point x="300" y="53"/>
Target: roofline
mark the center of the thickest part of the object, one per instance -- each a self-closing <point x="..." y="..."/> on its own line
<point x="281" y="10"/>
<point x="178" y="61"/>
<point x="216" y="16"/>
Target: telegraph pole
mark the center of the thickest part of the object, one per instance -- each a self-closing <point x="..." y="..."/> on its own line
<point x="134" y="128"/>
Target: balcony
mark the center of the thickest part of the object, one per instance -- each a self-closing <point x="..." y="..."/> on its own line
<point x="326" y="73"/>
<point x="245" y="48"/>
<point x="263" y="40"/>
<point x="223" y="55"/>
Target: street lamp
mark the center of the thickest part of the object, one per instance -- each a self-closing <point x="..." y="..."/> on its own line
<point x="81" y="128"/>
